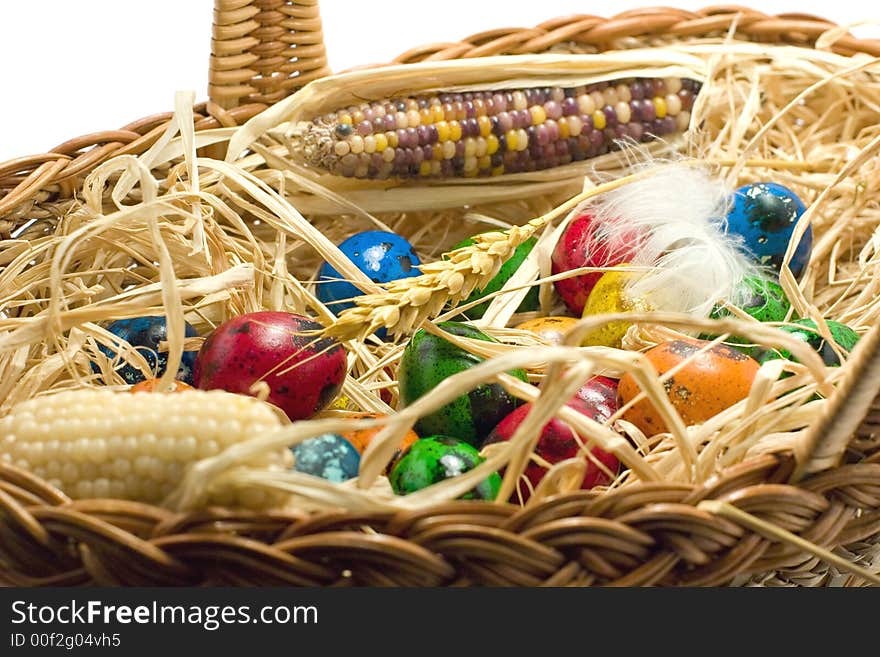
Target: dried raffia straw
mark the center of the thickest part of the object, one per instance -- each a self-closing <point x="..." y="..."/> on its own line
<point x="202" y="240"/>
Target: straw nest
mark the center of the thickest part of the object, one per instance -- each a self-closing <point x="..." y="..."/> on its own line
<point x="181" y="233"/>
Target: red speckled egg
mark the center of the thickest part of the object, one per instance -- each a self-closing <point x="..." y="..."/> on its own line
<point x="556" y="443"/>
<point x="578" y="247"/>
<point x="303" y="371"/>
<point x="600" y="393"/>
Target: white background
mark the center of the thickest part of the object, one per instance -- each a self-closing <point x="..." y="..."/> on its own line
<point x="70" y="67"/>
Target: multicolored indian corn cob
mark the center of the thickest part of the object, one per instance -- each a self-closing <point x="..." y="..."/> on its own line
<point x="96" y="443"/>
<point x="488" y="133"/>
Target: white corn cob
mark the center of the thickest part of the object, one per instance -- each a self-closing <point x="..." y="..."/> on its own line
<point x="95" y="443"/>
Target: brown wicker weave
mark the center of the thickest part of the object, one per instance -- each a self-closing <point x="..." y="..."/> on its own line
<point x="751" y="520"/>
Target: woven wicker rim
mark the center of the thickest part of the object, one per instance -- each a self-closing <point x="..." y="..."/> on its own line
<point x="668" y="534"/>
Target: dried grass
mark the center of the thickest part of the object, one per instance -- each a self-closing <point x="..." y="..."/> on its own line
<point x="191" y="237"/>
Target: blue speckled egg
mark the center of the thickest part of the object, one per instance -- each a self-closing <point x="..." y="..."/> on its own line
<point x="382" y="256"/>
<point x="145" y="334"/>
<point x="329" y="456"/>
<point x="765" y="214"/>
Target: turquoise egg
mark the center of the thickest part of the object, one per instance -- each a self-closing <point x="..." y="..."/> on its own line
<point x="329" y="456"/>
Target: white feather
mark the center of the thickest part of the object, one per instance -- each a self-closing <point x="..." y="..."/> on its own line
<point x="679" y="211"/>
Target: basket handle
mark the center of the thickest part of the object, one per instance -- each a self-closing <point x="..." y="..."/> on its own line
<point x="264" y="50"/>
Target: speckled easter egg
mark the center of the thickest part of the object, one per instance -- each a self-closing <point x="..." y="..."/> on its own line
<point x="361" y="438"/>
<point x="581" y="245"/>
<point x="381" y="255"/>
<point x="549" y="329"/>
<point x="708" y="383"/>
<point x="556" y="443"/>
<point x="765" y="214"/>
<point x="600" y="392"/>
<point x="151" y="385"/>
<point x="436" y="458"/>
<point x="329" y="456"/>
<point x="145" y="334"/>
<point x="303" y="371"/>
<point x="609" y="296"/>
<point x="806" y="330"/>
<point x="508" y="269"/>
<point x="428" y="361"/>
<point x="760" y="298"/>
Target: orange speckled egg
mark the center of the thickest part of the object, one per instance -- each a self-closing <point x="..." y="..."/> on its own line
<point x="149" y="385"/>
<point x="362" y="438"/>
<point x="549" y="329"/>
<point x="707" y="384"/>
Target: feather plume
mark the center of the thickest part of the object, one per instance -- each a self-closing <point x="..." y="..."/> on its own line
<point x="677" y="217"/>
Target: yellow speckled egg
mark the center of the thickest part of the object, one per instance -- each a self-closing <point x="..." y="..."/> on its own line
<point x="609" y="296"/>
<point x="549" y="329"/>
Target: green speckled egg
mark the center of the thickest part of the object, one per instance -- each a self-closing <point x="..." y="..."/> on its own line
<point x="507" y="270"/>
<point x="433" y="459"/>
<point x="762" y="299"/>
<point x="806" y="330"/>
<point x="429" y="360"/>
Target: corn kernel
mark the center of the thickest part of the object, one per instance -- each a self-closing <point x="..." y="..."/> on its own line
<point x="491" y="145"/>
<point x="511" y="136"/>
<point x="599" y="119"/>
<point x="454" y="130"/>
<point x="425" y="168"/>
<point x="470" y="147"/>
<point x="344" y="119"/>
<point x="485" y="125"/>
<point x="369" y="144"/>
<point x="660" y="106"/>
<point x="586" y="105"/>
<point x="443" y="131"/>
<point x="564" y="131"/>
<point x="538" y="114"/>
<point x="623" y="112"/>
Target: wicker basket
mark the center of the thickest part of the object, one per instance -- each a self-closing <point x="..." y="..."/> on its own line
<point x="761" y="521"/>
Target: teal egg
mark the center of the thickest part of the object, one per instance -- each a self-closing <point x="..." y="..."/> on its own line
<point x="329" y="456"/>
<point x="806" y="330"/>
<point x="429" y="360"/>
<point x="508" y="269"/>
<point x="436" y="458"/>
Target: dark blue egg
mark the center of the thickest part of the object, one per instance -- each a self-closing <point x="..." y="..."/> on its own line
<point x="765" y="214"/>
<point x="329" y="456"/>
<point x="145" y="334"/>
<point x="382" y="256"/>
